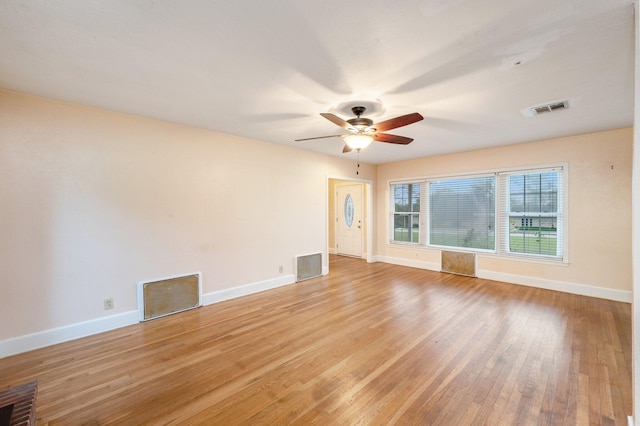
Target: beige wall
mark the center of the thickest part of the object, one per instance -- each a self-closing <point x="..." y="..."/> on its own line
<point x="599" y="205"/>
<point x="94" y="202"/>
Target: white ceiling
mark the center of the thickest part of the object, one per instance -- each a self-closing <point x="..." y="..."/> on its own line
<point x="265" y="70"/>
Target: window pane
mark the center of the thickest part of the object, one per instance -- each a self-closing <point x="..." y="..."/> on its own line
<point x="407" y="197"/>
<point x="532" y="202"/>
<point x="534" y="230"/>
<point x="402" y="198"/>
<point x="533" y="235"/>
<point x="401" y="227"/>
<point x="406" y="227"/>
<point x="517" y="202"/>
<point x="462" y="213"/>
<point x="406" y="220"/>
<point x="549" y="202"/>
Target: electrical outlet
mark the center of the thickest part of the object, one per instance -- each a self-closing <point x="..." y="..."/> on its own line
<point x="281" y="270"/>
<point x="108" y="304"/>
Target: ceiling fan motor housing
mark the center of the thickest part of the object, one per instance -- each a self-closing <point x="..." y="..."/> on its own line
<point x="360" y="123"/>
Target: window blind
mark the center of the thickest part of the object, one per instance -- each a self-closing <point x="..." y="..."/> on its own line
<point x="462" y="212"/>
<point x="531" y="216"/>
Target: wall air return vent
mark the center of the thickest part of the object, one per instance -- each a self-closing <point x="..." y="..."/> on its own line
<point x="168" y="296"/>
<point x="542" y="109"/>
<point x="461" y="263"/>
<point x="308" y="266"/>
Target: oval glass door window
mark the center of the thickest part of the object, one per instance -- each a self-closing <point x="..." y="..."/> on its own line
<point x="348" y="210"/>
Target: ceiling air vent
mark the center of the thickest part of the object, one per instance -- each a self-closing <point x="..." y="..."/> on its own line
<point x="551" y="107"/>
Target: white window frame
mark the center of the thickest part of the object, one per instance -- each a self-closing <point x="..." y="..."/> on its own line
<point x="393" y="212"/>
<point x="501" y="244"/>
<point x="504" y="212"/>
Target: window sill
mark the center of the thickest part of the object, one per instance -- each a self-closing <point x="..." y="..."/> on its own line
<point x="481" y="253"/>
<point x="527" y="259"/>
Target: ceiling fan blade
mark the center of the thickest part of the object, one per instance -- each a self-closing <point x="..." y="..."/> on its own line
<point x="394" y="123"/>
<point x="386" y="137"/>
<point x="346" y="149"/>
<point x="318" y="137"/>
<point x="337" y="121"/>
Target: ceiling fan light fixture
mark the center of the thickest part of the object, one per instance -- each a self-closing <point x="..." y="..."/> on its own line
<point x="362" y="131"/>
<point x="358" y="141"/>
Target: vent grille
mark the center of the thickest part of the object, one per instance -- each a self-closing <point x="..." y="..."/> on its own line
<point x="308" y="266"/>
<point x="460" y="263"/>
<point x="168" y="296"/>
<point x="551" y="107"/>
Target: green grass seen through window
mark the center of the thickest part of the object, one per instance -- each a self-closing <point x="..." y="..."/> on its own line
<point x="547" y="244"/>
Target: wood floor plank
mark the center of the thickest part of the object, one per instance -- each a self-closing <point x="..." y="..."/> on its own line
<point x="368" y="344"/>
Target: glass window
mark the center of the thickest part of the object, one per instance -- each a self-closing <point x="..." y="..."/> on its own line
<point x="533" y="212"/>
<point x="462" y="213"/>
<point x="509" y="213"/>
<point x="406" y="212"/>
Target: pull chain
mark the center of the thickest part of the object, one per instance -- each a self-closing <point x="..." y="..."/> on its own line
<point x="358" y="161"/>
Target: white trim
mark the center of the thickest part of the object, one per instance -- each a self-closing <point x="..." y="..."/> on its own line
<point x="369" y="190"/>
<point x="532" y="258"/>
<point x="563" y="286"/>
<point x="66" y="333"/>
<point x="543" y="260"/>
<point x="478" y="173"/>
<point x="368" y="194"/>
<point x="57" y="335"/>
<point x="244" y="290"/>
<point x="53" y="336"/>
<point x="425" y="220"/>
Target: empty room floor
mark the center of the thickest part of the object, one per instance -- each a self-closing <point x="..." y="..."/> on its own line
<point x="367" y="344"/>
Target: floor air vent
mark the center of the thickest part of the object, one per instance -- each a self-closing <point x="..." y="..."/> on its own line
<point x="168" y="296"/>
<point x="308" y="266"/>
<point x="455" y="262"/>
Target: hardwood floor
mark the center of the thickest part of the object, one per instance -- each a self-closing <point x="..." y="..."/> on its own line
<point x="368" y="344"/>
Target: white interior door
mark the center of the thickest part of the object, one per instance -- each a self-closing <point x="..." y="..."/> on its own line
<point x="349" y="217"/>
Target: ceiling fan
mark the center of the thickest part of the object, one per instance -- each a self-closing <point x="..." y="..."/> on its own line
<point x="362" y="131"/>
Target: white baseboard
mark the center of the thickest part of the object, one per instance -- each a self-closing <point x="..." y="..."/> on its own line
<point x="332" y="250"/>
<point x="244" y="290"/>
<point x="563" y="286"/>
<point x="54" y="336"/>
<point x="57" y="335"/>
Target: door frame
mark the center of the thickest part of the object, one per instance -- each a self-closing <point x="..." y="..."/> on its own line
<point x="368" y="217"/>
<point x="339" y="212"/>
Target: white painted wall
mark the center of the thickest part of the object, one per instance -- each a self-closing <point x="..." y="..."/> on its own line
<point x="92" y="202"/>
